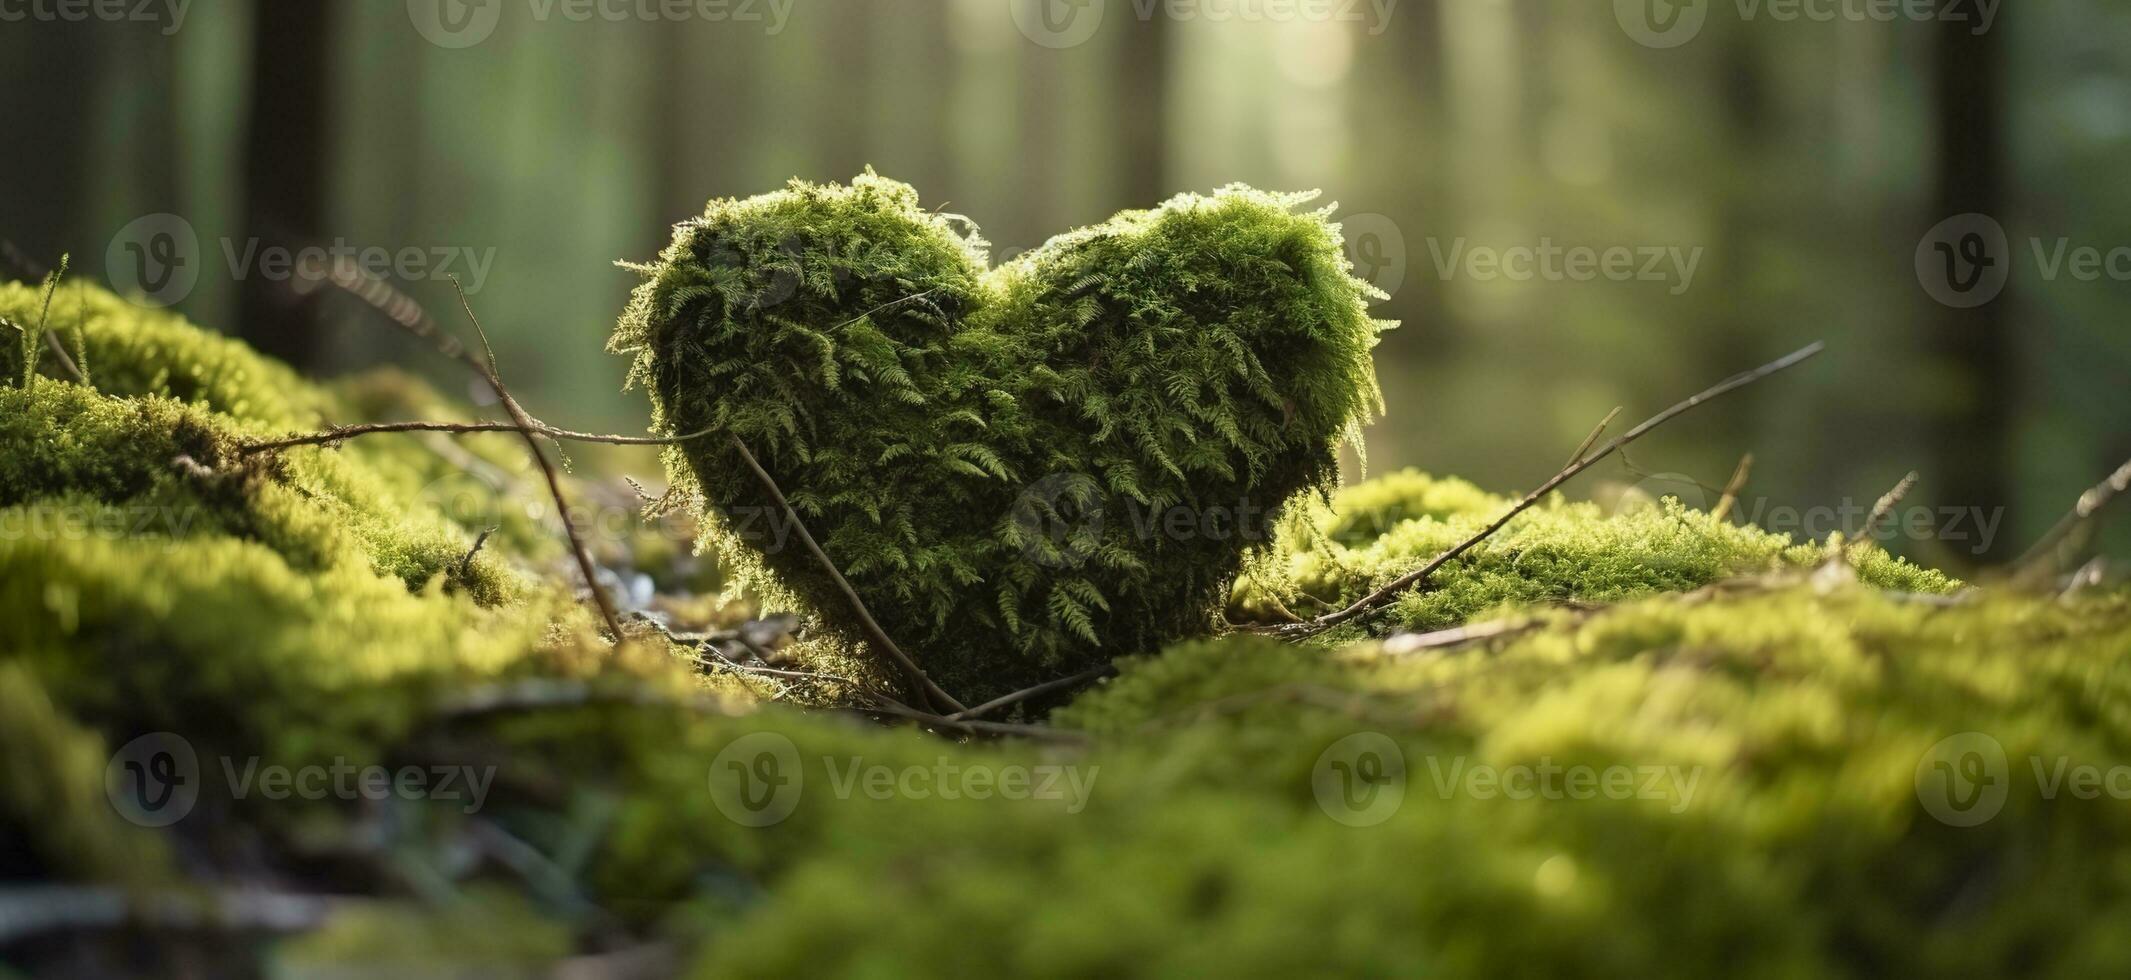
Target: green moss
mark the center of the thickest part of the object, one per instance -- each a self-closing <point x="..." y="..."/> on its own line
<point x="491" y="933"/>
<point x="139" y="351"/>
<point x="988" y="453"/>
<point x="1770" y="824"/>
<point x="52" y="796"/>
<point x="1778" y="738"/>
<point x="135" y="350"/>
<point x="1557" y="553"/>
<point x="150" y="466"/>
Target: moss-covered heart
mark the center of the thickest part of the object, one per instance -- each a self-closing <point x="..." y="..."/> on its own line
<point x="1023" y="470"/>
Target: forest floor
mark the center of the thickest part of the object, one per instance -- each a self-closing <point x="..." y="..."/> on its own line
<point x="346" y="707"/>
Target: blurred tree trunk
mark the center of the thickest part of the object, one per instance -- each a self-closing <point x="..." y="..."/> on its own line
<point x="1971" y="444"/>
<point x="1741" y="222"/>
<point x="50" y="71"/>
<point x="849" y="97"/>
<point x="1142" y="154"/>
<point x="1424" y="169"/>
<point x="286" y="149"/>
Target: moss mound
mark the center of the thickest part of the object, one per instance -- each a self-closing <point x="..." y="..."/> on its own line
<point x="995" y="456"/>
<point x="1558" y="553"/>
<point x="1772" y="777"/>
<point x="1741" y="785"/>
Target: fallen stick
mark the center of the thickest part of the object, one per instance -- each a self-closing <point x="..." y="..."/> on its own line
<point x="1385" y="594"/>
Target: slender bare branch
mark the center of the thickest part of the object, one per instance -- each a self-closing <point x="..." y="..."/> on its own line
<point x="66" y="360"/>
<point x="528" y="431"/>
<point x="917" y="677"/>
<point x="1007" y="700"/>
<point x="2049" y="552"/>
<point x="1390" y="590"/>
<point x="1592" y="439"/>
<point x="341" y="433"/>
<point x="974" y="727"/>
<point x="1880" y="509"/>
<point x="1732" y="487"/>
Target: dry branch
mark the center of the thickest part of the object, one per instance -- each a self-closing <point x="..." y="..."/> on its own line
<point x="1732" y="487"/>
<point x="1383" y="596"/>
<point x="527" y="431"/>
<point x="2066" y="536"/>
<point x="917" y="677"/>
<point x="342" y="433"/>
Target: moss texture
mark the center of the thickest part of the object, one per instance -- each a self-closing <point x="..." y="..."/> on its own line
<point x="989" y="453"/>
<point x="1558" y="553"/>
<point x="1778" y="739"/>
<point x="1768" y="822"/>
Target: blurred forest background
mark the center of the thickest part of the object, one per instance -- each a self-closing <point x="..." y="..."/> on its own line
<point x="1803" y="162"/>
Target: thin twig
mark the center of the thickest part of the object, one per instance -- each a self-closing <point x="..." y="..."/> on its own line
<point x="34" y="910"/>
<point x="527" y="431"/>
<point x="1880" y="509"/>
<point x="541" y="693"/>
<point x="1024" y="694"/>
<point x="409" y="315"/>
<point x="344" y="432"/>
<point x="479" y="540"/>
<point x="1411" y="643"/>
<point x="2048" y="553"/>
<point x="911" y="671"/>
<point x="1384" y="595"/>
<point x="1592" y="439"/>
<point x="51" y="339"/>
<point x="971" y="727"/>
<point x="1732" y="487"/>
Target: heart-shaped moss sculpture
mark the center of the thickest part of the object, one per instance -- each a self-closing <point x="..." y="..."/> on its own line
<point x="1023" y="470"/>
